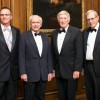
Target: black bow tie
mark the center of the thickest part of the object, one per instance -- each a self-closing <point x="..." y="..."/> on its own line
<point x="37" y="34"/>
<point x="62" y="30"/>
<point x="91" y="30"/>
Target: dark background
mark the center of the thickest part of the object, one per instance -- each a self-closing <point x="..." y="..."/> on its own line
<point x="48" y="12"/>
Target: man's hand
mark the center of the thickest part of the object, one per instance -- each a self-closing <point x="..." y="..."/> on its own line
<point x="50" y="76"/>
<point x="76" y="74"/>
<point x="24" y="77"/>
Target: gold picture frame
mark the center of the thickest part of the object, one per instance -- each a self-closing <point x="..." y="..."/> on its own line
<point x="30" y="12"/>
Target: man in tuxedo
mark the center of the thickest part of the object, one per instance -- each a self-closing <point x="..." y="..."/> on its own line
<point x="66" y="45"/>
<point x="9" y="39"/>
<point x="91" y="37"/>
<point x="35" y="60"/>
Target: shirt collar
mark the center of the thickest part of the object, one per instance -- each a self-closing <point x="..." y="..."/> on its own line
<point x="97" y="26"/>
<point x="65" y="28"/>
<point x="3" y="27"/>
<point x="34" y="33"/>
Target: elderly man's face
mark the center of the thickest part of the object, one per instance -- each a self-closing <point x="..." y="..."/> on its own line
<point x="63" y="20"/>
<point x="36" y="24"/>
<point x="92" y="20"/>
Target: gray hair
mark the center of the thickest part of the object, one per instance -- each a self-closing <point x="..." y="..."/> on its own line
<point x="91" y="11"/>
<point x="32" y="16"/>
<point x="63" y="12"/>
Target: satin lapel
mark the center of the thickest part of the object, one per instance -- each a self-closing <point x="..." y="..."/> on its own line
<point x="14" y="36"/>
<point x="32" y="40"/>
<point x="55" y="41"/>
<point x="85" y="39"/>
<point x="97" y="41"/>
<point x="67" y="36"/>
<point x="43" y="43"/>
<point x="2" y="38"/>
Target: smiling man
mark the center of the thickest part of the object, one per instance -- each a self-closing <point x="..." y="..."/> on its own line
<point x="91" y="38"/>
<point x="9" y="39"/>
<point x="35" y="60"/>
<point x="66" y="45"/>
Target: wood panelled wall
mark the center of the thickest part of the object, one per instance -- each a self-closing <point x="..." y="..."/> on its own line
<point x="93" y="4"/>
<point x="19" y="10"/>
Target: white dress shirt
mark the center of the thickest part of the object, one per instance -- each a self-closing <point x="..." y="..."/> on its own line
<point x="38" y="41"/>
<point x="90" y="43"/>
<point x="60" y="39"/>
<point x="7" y="35"/>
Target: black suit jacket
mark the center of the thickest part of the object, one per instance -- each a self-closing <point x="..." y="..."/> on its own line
<point x="30" y="62"/>
<point x="9" y="60"/>
<point x="70" y="58"/>
<point x="96" y="51"/>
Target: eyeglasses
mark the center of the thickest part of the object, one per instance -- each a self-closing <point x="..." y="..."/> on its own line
<point x="5" y="14"/>
<point x="91" y="19"/>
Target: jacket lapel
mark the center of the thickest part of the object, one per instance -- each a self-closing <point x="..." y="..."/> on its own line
<point x="43" y="43"/>
<point x="32" y="40"/>
<point x="13" y="36"/>
<point x="97" y="41"/>
<point x="85" y="39"/>
<point x="66" y="39"/>
<point x="3" y="39"/>
<point x="55" y="41"/>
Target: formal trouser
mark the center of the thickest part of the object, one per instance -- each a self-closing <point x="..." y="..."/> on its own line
<point x="8" y="89"/>
<point x="35" y="90"/>
<point x="92" y="82"/>
<point x="66" y="88"/>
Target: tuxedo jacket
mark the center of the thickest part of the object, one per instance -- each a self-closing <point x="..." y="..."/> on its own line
<point x="71" y="55"/>
<point x="96" y="51"/>
<point x="30" y="62"/>
<point x="9" y="60"/>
